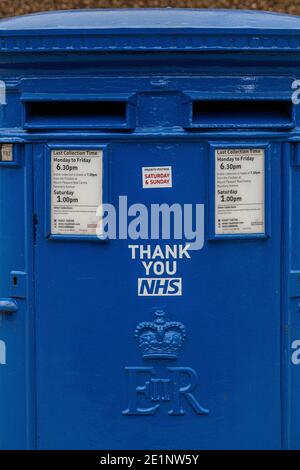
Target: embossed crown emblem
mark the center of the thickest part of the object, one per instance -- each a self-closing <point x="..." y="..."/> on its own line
<point x="160" y="339"/>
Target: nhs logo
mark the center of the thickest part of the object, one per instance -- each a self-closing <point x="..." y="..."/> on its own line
<point x="159" y="286"/>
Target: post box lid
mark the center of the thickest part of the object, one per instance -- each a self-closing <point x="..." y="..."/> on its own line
<point x="158" y="29"/>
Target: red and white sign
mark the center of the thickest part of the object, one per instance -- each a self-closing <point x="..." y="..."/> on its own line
<point x="157" y="177"/>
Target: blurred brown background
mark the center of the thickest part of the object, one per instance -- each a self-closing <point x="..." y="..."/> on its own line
<point x="18" y="7"/>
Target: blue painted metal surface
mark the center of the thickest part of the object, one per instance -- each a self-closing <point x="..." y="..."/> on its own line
<point x="85" y="362"/>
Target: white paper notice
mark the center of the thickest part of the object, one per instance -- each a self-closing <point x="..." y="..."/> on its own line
<point x="76" y="191"/>
<point x="239" y="191"/>
<point x="157" y="177"/>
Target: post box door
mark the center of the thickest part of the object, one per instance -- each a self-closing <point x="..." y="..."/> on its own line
<point x="17" y="430"/>
<point x="181" y="353"/>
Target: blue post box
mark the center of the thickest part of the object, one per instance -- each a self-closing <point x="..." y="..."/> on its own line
<point x="149" y="230"/>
